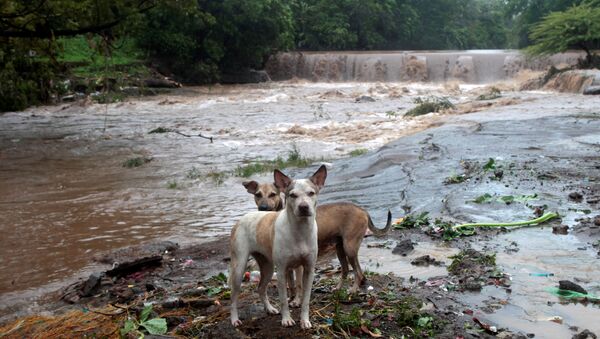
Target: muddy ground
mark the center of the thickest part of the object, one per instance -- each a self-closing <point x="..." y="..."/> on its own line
<point x="505" y="164"/>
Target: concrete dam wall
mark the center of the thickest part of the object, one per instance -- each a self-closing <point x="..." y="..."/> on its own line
<point x="476" y="67"/>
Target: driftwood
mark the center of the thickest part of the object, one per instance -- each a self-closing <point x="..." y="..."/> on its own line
<point x="169" y="130"/>
<point x="133" y="266"/>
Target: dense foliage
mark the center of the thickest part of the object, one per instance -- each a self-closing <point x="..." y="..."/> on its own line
<point x="576" y="28"/>
<point x="197" y="38"/>
<point x="198" y="41"/>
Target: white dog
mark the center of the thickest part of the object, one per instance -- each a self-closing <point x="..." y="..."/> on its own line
<point x="286" y="239"/>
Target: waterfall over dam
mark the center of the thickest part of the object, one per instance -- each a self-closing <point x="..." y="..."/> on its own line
<point x="476" y="66"/>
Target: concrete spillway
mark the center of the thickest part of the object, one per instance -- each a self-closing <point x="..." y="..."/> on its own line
<point x="479" y="66"/>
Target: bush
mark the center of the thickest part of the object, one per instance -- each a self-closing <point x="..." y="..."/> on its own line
<point x="24" y="80"/>
<point x="429" y="105"/>
<point x="576" y="28"/>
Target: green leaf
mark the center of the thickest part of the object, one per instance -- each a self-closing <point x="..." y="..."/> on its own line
<point x="507" y="199"/>
<point x="128" y="327"/>
<point x="490" y="165"/>
<point x="213" y="291"/>
<point x="155" y="326"/>
<point x="483" y="199"/>
<point x="221" y="277"/>
<point x="424" y="322"/>
<point x="145" y="313"/>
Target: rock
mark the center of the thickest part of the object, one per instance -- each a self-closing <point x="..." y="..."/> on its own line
<point x="403" y="247"/>
<point x="560" y="229"/>
<point x="499" y="174"/>
<point x="425" y="260"/>
<point x="91" y="285"/>
<point x="597" y="220"/>
<point x="123" y="294"/>
<point x="586" y="334"/>
<point x="172" y="303"/>
<point x="471" y="284"/>
<point x="571" y="286"/>
<point x="592" y="90"/>
<point x="364" y="98"/>
<point x="576" y="196"/>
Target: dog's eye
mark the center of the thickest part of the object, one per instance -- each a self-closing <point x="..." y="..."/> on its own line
<point x="293" y="196"/>
<point x="272" y="195"/>
<point x="310" y="194"/>
<point x="258" y="195"/>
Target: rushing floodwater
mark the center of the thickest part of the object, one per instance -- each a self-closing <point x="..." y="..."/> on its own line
<point x="65" y="195"/>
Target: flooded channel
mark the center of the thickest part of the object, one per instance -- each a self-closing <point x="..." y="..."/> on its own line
<point x="65" y="195"/>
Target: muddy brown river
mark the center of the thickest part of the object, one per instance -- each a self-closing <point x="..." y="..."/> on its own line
<point x="65" y="195"/>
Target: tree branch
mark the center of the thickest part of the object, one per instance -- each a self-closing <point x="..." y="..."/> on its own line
<point x="24" y="13"/>
<point x="46" y="32"/>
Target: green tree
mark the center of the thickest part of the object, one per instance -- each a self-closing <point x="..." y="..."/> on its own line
<point x="200" y="39"/>
<point x="524" y="14"/>
<point x="49" y="19"/>
<point x="576" y="28"/>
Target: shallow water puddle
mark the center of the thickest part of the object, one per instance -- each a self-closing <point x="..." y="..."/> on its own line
<point x="382" y="260"/>
<point x="530" y="307"/>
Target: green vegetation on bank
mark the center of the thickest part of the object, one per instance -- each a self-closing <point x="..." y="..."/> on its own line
<point x="81" y="55"/>
<point x="294" y="159"/>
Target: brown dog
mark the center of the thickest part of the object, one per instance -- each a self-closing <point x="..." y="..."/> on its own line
<point x="342" y="224"/>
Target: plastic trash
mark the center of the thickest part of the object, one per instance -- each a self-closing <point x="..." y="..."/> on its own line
<point x="572" y="294"/>
<point x="255" y="276"/>
<point x="541" y="274"/>
<point x="556" y="319"/>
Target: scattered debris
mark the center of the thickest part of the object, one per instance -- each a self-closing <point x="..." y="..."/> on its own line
<point x="576" y="196"/>
<point x="585" y="334"/>
<point x="567" y="285"/>
<point x="426" y="260"/>
<point x="403" y="247"/>
<point x="560" y="229"/>
<point x="429" y="105"/>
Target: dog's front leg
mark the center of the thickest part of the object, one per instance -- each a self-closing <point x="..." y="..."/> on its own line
<point x="297" y="301"/>
<point x="286" y="319"/>
<point x="307" y="282"/>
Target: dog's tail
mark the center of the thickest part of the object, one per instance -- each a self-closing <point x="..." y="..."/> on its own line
<point x="380" y="231"/>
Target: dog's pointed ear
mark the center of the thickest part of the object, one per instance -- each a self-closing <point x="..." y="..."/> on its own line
<point x="282" y="181"/>
<point x="319" y="177"/>
<point x="251" y="186"/>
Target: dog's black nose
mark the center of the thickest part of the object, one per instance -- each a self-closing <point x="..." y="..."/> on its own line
<point x="304" y="209"/>
<point x="263" y="207"/>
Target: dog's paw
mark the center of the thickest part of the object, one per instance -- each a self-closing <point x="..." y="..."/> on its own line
<point x="295" y="303"/>
<point x="271" y="310"/>
<point x="305" y="324"/>
<point x="287" y="322"/>
<point x="236" y="322"/>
